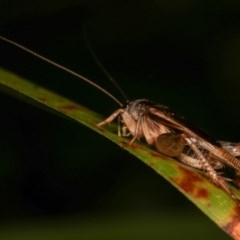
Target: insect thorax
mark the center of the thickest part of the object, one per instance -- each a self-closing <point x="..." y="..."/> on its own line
<point x="138" y="107"/>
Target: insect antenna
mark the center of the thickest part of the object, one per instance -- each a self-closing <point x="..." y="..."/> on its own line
<point x="61" y="67"/>
<point x="108" y="75"/>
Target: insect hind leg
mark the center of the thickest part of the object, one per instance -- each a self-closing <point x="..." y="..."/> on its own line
<point x="206" y="166"/>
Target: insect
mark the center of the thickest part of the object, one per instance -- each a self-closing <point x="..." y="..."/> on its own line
<point x="167" y="131"/>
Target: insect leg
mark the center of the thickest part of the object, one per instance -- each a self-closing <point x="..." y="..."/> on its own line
<point x="119" y="126"/>
<point x="137" y="132"/>
<point x="110" y="118"/>
<point x="189" y="157"/>
<point x="190" y="161"/>
<point x="213" y="175"/>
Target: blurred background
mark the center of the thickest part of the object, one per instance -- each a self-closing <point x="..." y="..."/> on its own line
<point x="60" y="180"/>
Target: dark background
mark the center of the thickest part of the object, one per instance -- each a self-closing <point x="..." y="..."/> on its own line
<point x="184" y="54"/>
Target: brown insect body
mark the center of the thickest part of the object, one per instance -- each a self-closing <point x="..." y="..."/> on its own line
<point x="156" y="124"/>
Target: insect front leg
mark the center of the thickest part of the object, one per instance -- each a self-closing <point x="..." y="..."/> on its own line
<point x="138" y="133"/>
<point x="110" y="118"/>
<point x="213" y="175"/>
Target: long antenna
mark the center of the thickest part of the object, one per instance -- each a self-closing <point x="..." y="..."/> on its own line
<point x="62" y="68"/>
<point x="108" y="75"/>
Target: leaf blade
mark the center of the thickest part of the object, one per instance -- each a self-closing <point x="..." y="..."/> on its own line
<point x="216" y="204"/>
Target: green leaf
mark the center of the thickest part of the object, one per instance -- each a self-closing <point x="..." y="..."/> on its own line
<point x="215" y="203"/>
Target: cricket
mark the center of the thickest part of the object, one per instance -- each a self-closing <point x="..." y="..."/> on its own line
<point x="167" y="131"/>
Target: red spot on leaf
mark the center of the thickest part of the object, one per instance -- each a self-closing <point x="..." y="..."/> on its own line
<point x="189" y="182"/>
<point x="202" y="193"/>
<point x="237" y="209"/>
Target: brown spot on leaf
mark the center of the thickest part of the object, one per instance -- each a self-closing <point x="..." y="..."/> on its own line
<point x="233" y="227"/>
<point x="237" y="209"/>
<point x="188" y="182"/>
<point x="69" y="107"/>
<point x="202" y="193"/>
<point x="126" y="144"/>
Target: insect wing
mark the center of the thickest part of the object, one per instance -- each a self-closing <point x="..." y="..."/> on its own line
<point x="233" y="148"/>
<point x="215" y="149"/>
